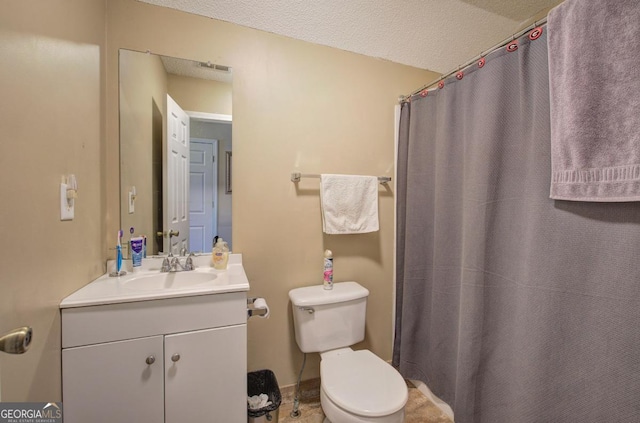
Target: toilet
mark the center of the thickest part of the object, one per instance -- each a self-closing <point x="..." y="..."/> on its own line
<point x="355" y="386"/>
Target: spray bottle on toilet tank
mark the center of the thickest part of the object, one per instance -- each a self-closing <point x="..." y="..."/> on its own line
<point x="328" y="270"/>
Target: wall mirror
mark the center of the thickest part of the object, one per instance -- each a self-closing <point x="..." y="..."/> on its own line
<point x="175" y="133"/>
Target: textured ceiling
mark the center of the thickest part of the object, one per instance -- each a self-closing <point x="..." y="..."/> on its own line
<point x="517" y="10"/>
<point x="430" y="34"/>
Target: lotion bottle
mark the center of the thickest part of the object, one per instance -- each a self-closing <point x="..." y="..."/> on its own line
<point x="220" y="255"/>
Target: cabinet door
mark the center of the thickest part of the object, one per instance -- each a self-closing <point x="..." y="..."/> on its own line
<point x="112" y="382"/>
<point x="208" y="382"/>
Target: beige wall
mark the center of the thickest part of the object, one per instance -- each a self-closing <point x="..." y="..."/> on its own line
<point x="200" y="95"/>
<point x="51" y="115"/>
<point x="143" y="91"/>
<point x="296" y="106"/>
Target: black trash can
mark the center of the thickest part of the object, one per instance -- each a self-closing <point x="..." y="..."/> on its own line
<point x="263" y="382"/>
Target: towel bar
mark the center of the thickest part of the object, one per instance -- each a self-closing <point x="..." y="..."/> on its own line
<point x="296" y="176"/>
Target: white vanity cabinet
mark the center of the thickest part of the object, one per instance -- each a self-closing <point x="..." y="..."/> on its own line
<point x="174" y="360"/>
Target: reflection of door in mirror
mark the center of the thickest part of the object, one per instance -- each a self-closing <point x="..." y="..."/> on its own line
<point x="175" y="179"/>
<point x="203" y="90"/>
<point x="203" y="189"/>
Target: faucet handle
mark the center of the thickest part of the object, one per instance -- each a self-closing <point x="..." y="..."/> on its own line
<point x="166" y="266"/>
<point x="175" y="263"/>
<point x="183" y="251"/>
<point x="189" y="263"/>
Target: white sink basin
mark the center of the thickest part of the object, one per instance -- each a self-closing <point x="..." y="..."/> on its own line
<point x="149" y="283"/>
<point x="177" y="280"/>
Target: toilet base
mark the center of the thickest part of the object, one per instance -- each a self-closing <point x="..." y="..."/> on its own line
<point x="335" y="414"/>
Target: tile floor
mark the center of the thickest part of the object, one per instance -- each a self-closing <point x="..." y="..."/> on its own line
<point x="419" y="408"/>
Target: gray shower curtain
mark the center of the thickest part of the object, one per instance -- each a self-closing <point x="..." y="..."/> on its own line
<point x="511" y="307"/>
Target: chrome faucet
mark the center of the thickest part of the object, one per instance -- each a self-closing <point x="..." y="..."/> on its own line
<point x="175" y="266"/>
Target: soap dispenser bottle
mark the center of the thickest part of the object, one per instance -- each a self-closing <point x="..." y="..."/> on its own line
<point x="220" y="254"/>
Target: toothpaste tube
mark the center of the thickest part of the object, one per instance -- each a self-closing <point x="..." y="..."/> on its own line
<point x="137" y="246"/>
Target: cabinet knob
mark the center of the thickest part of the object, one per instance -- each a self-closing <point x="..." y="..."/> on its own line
<point x="175" y="357"/>
<point x="150" y="360"/>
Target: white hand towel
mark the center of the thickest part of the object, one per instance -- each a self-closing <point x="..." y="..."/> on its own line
<point x="349" y="204"/>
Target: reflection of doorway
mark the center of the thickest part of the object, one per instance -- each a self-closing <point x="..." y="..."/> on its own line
<point x="209" y="127"/>
<point x="203" y="193"/>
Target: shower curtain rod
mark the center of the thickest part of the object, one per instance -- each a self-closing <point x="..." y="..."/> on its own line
<point x="502" y="43"/>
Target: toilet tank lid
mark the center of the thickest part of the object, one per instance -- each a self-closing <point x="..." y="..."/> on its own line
<point x="317" y="295"/>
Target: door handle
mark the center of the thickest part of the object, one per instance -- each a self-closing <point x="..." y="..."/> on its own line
<point x="171" y="234"/>
<point x="17" y="341"/>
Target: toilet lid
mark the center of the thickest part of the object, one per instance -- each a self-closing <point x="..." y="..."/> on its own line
<point x="363" y="384"/>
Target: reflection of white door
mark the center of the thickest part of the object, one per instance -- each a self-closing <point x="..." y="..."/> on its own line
<point x="203" y="192"/>
<point x="175" y="178"/>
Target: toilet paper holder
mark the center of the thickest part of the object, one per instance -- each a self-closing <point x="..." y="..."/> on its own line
<point x="251" y="311"/>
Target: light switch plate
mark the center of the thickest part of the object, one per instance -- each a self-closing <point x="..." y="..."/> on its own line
<point x="66" y="206"/>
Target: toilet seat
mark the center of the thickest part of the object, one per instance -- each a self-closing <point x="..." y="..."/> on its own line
<point x="363" y="384"/>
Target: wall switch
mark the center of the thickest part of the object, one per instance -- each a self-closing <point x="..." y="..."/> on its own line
<point x="68" y="195"/>
<point x="66" y="204"/>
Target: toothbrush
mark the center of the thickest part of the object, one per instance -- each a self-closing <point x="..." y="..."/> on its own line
<point x="119" y="253"/>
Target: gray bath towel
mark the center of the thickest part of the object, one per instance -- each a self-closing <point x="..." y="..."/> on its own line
<point x="594" y="60"/>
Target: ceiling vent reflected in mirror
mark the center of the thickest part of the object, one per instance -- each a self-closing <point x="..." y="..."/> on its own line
<point x="196" y="69"/>
<point x="213" y="66"/>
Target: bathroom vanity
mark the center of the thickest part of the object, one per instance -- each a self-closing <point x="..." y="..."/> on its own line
<point x="157" y="347"/>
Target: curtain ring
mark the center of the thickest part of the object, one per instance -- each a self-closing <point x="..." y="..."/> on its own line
<point x="535" y="33"/>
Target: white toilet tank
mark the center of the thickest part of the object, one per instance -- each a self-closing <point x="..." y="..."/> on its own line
<point x="328" y="319"/>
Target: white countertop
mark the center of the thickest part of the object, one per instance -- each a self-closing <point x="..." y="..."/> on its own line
<point x="112" y="290"/>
